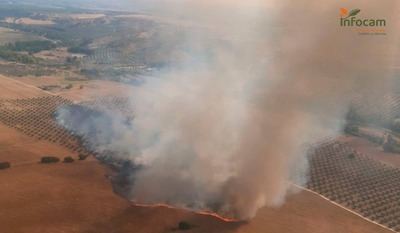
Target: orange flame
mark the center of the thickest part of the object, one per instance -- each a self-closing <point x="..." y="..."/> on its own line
<point x="205" y="213"/>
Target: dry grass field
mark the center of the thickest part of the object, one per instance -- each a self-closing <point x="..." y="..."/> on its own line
<point x="96" y="60"/>
<point x="12" y="89"/>
<point x="78" y="198"/>
<point x="28" y="21"/>
<point x="86" y="16"/>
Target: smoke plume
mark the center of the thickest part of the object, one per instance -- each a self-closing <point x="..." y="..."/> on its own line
<point x="227" y="129"/>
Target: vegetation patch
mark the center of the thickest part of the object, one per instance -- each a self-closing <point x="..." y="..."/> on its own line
<point x="9" y="55"/>
<point x="80" y="49"/>
<point x="351" y="156"/>
<point x="19" y="70"/>
<point x="82" y="157"/>
<point x="4" y="165"/>
<point x="49" y="159"/>
<point x="396" y="125"/>
<point x="33" y="46"/>
<point x="183" y="226"/>
<point x="351" y="129"/>
<point x="68" y="159"/>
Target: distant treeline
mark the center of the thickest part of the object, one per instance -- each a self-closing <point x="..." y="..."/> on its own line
<point x="20" y="8"/>
<point x="12" y="51"/>
<point x="80" y="49"/>
<point x="16" y="57"/>
<point x="33" y="46"/>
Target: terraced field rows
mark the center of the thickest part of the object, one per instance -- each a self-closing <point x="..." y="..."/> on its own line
<point x="385" y="112"/>
<point x="357" y="182"/>
<point x="101" y="56"/>
<point x="110" y="103"/>
<point x="35" y="117"/>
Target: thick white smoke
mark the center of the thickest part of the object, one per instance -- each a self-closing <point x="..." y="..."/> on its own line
<point x="227" y="131"/>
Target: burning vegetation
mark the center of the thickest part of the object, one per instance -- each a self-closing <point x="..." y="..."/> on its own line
<point x="238" y="113"/>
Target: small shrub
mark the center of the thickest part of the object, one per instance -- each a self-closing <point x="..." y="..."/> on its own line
<point x="373" y="138"/>
<point x="389" y="144"/>
<point x="351" y="129"/>
<point x="31" y="47"/>
<point x="49" y="159"/>
<point x="82" y="156"/>
<point x="4" y="165"/>
<point x="68" y="159"/>
<point x="183" y="225"/>
<point x="396" y="125"/>
<point x="80" y="49"/>
<point x="351" y="156"/>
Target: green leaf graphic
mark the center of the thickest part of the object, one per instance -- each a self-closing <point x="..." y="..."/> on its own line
<point x="353" y="12"/>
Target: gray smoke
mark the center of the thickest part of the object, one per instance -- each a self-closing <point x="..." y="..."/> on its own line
<point x="227" y="130"/>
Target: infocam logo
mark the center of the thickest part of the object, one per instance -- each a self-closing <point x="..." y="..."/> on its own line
<point x="350" y="19"/>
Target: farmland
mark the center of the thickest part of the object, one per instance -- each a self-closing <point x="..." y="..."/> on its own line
<point x="27" y="127"/>
<point x="8" y="35"/>
<point x="69" y="137"/>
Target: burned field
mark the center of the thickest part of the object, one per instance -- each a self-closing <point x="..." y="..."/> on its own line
<point x="350" y="179"/>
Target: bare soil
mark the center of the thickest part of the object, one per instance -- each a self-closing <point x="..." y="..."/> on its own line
<point x="78" y="198"/>
<point x="13" y="89"/>
<point x="20" y="149"/>
<point x="81" y="90"/>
